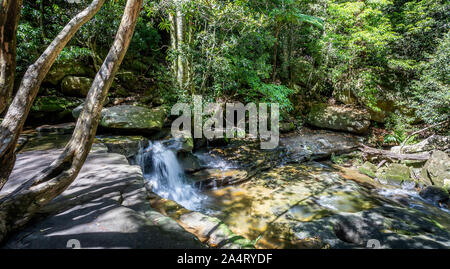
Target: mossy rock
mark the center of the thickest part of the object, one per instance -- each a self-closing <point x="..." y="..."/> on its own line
<point x="437" y="169"/>
<point x="52" y="109"/>
<point x="50" y="104"/>
<point x="286" y="127"/>
<point x="395" y="173"/>
<point x="128" y="146"/>
<point x="61" y="70"/>
<point x="368" y="169"/>
<point x="76" y="86"/>
<point x="133" y="118"/>
<point x="214" y="231"/>
<point x="339" y="118"/>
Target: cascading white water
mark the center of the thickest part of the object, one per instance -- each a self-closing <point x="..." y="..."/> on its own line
<point x="166" y="177"/>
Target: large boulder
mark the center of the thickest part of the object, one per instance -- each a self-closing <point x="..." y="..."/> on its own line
<point x="133" y="118"/>
<point x="286" y="127"/>
<point x="339" y="118"/>
<point x="384" y="105"/>
<point x="51" y="109"/>
<point x="77" y="110"/>
<point x="368" y="169"/>
<point x="437" y="169"/>
<point x="383" y="108"/>
<point x="128" y="146"/>
<point x="76" y="86"/>
<point x="59" y="71"/>
<point x="434" y="142"/>
<point x="189" y="162"/>
<point x="395" y="173"/>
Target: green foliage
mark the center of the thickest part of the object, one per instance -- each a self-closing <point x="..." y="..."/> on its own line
<point x="397" y="125"/>
<point x="276" y="51"/>
<point x="432" y="91"/>
<point x="357" y="47"/>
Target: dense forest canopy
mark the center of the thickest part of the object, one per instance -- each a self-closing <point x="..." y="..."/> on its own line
<point x="379" y="54"/>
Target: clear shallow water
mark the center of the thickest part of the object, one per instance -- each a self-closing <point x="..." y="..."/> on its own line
<point x="265" y="207"/>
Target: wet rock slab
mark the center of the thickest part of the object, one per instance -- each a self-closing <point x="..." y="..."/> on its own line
<point x="105" y="207"/>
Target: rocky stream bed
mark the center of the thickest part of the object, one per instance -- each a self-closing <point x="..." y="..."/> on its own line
<point x="230" y="196"/>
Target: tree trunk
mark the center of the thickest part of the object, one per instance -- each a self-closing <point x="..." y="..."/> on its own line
<point x="179" y="36"/>
<point x="18" y="207"/>
<point x="9" y="19"/>
<point x="275" y="52"/>
<point x="41" y="20"/>
<point x="180" y="41"/>
<point x="18" y="111"/>
<point x="173" y="41"/>
<point x="371" y="153"/>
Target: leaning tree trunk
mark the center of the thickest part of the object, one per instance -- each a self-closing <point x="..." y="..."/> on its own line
<point x="17" y="208"/>
<point x="18" y="111"/>
<point x="9" y="19"/>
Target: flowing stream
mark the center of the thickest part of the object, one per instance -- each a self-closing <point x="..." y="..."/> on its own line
<point x="273" y="206"/>
<point x="165" y="175"/>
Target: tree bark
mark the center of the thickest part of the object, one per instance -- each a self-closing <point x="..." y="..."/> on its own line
<point x="180" y="41"/>
<point x="41" y="19"/>
<point x="386" y="154"/>
<point x="9" y="19"/>
<point x="275" y="51"/>
<point x="179" y="36"/>
<point x="17" y="208"/>
<point x="173" y="41"/>
<point x="18" y="111"/>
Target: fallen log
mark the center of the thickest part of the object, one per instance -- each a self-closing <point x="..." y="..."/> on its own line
<point x="389" y="155"/>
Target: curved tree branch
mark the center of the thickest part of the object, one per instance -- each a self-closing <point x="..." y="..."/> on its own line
<point x="18" y="111"/>
<point x="18" y="207"/>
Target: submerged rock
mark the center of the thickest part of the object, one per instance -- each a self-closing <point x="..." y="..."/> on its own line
<point x="212" y="178"/>
<point x="133" y="118"/>
<point x="354" y="229"/>
<point x="214" y="232"/>
<point x="339" y="118"/>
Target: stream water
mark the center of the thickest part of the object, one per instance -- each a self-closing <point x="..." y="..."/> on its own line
<point x="285" y="202"/>
<point x="273" y="203"/>
<point x="165" y="175"/>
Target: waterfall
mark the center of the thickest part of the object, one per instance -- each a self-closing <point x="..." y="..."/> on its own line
<point x="166" y="177"/>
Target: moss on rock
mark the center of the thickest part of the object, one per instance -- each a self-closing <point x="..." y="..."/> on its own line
<point x="339" y="118"/>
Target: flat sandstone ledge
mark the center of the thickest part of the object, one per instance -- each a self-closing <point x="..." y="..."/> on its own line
<point x="105" y="207"/>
